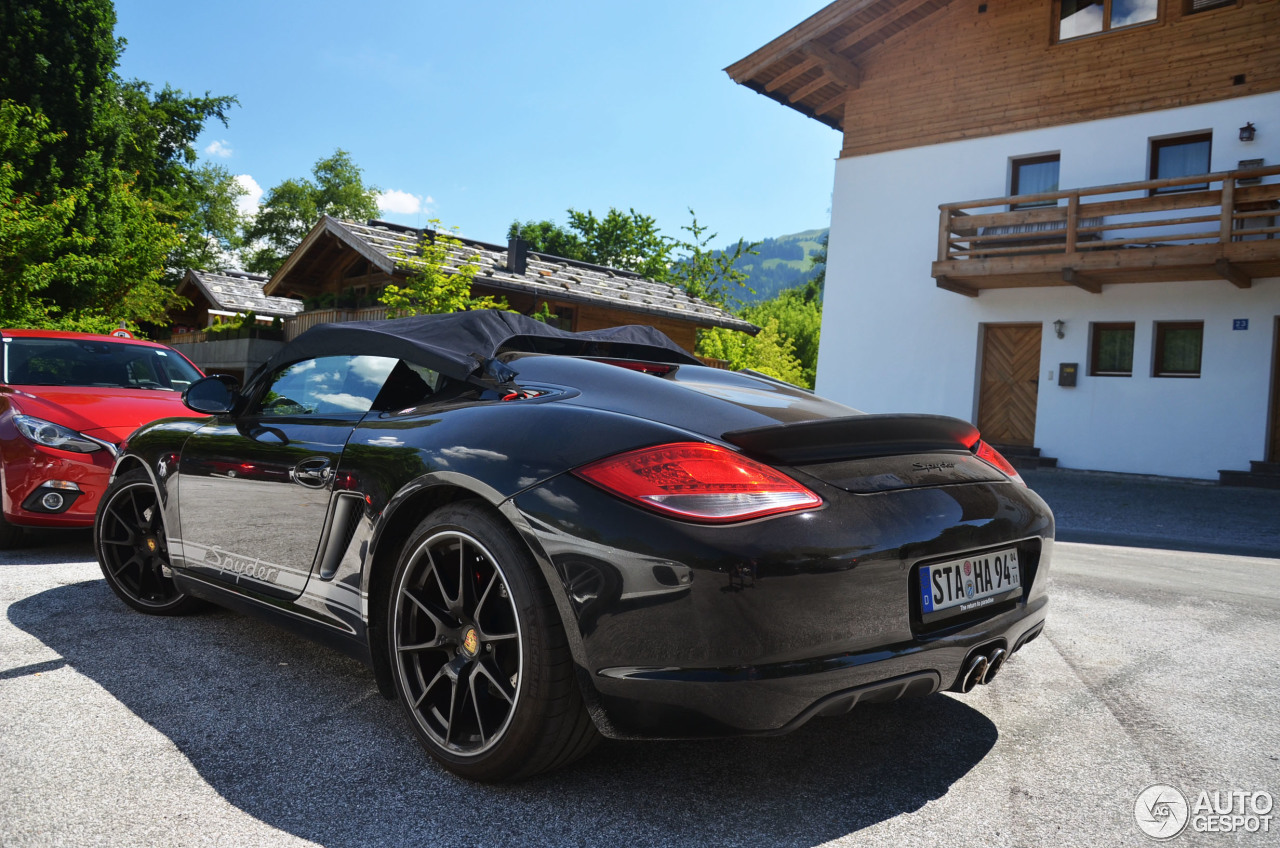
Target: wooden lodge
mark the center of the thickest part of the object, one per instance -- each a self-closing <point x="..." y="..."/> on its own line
<point x="1055" y="218"/>
<point x="341" y="267"/>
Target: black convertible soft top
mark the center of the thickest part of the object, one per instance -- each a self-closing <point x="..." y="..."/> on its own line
<point x="463" y="345"/>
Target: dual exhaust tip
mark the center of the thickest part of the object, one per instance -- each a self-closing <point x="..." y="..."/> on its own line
<point x="982" y="667"/>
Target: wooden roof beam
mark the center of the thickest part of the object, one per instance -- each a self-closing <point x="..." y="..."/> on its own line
<point x="1070" y="275"/>
<point x="836" y="65"/>
<point x="831" y="103"/>
<point x="809" y="88"/>
<point x="904" y="7"/>
<point x="951" y="285"/>
<point x="816" y="26"/>
<point x="1236" y="275"/>
<point x="790" y="74"/>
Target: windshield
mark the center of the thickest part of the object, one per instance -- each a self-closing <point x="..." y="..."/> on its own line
<point x="92" y="362"/>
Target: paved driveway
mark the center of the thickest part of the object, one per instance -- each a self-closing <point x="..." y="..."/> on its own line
<point x="118" y="729"/>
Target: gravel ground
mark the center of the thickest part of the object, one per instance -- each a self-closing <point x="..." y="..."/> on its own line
<point x="1157" y="666"/>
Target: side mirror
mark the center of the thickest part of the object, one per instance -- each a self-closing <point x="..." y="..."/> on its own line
<point x="214" y="395"/>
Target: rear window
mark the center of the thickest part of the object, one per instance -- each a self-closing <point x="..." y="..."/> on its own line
<point x="92" y="362"/>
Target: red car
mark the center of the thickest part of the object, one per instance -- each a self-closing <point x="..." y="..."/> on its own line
<point x="67" y="401"/>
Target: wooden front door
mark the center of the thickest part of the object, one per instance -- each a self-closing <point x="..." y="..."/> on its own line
<point x="1273" y="447"/>
<point x="1009" y="383"/>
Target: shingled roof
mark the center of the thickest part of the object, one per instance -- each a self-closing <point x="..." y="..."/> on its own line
<point x="393" y="249"/>
<point x="237" y="291"/>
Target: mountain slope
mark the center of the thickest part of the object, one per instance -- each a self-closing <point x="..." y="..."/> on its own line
<point x="782" y="263"/>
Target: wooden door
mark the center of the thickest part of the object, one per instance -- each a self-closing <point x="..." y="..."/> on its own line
<point x="1273" y="449"/>
<point x="1009" y="383"/>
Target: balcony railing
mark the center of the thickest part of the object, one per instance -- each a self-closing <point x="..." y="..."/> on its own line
<point x="295" y="326"/>
<point x="1210" y="226"/>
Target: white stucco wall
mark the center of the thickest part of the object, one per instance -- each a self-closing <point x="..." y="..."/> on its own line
<point x="894" y="342"/>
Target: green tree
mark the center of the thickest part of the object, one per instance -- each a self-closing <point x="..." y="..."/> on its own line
<point x="626" y="240"/>
<point x="710" y="274"/>
<point x="58" y="59"/>
<point x="290" y="209"/>
<point x="113" y="275"/>
<point x="120" y="157"/>
<point x="547" y="237"/>
<point x="212" y="226"/>
<point x="818" y="262"/>
<point x="769" y="351"/>
<point x="798" y="316"/>
<point x="772" y="353"/>
<point x="441" y="282"/>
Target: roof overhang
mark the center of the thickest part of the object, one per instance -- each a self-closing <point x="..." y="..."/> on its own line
<point x="325" y="227"/>
<point x="816" y="65"/>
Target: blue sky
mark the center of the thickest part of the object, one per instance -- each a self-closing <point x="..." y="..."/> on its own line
<point x="478" y="113"/>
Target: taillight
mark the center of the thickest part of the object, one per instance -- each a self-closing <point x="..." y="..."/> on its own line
<point x="991" y="456"/>
<point x="699" y="482"/>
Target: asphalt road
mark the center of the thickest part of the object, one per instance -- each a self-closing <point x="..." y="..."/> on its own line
<point x="118" y="729"/>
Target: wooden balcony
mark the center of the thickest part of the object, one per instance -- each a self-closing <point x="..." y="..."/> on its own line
<point x="1219" y="226"/>
<point x="294" y="327"/>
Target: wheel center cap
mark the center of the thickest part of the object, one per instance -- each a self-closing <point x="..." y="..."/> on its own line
<point x="151" y="544"/>
<point x="470" y="642"/>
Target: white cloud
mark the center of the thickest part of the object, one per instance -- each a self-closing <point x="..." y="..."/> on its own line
<point x="248" y="203"/>
<point x="402" y="202"/>
<point x="219" y="148"/>
<point x="345" y="400"/>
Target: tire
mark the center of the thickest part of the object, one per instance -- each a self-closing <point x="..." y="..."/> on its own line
<point x="132" y="547"/>
<point x="479" y="656"/>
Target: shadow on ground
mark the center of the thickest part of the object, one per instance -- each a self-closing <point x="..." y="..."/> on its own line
<point x="38" y="546"/>
<point x="297" y="737"/>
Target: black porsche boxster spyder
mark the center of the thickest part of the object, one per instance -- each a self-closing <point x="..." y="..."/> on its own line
<point x="537" y="537"/>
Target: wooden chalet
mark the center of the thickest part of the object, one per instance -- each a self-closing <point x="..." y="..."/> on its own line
<point x="1075" y="201"/>
<point x="341" y="267"/>
<point x="217" y="295"/>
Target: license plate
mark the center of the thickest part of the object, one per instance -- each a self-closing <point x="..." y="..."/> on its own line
<point x="964" y="585"/>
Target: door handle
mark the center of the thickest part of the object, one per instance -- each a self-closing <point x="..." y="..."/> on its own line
<point x="314" y="473"/>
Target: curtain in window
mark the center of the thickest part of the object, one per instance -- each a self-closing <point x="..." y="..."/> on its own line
<point x="1183" y="160"/>
<point x="1037" y="177"/>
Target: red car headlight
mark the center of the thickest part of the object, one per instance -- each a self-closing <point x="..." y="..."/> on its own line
<point x="55" y="435"/>
<point x="699" y="482"/>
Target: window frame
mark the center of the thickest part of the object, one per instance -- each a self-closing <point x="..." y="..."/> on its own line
<point x="1016" y="162"/>
<point x="1163" y="327"/>
<point x="1155" y="145"/>
<point x="1107" y="29"/>
<point x="1095" y="330"/>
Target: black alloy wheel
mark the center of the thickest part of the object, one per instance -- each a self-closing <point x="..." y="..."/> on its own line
<point x="133" y="549"/>
<point x="482" y="666"/>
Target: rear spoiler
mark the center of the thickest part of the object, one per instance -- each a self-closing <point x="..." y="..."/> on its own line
<point x="854" y="437"/>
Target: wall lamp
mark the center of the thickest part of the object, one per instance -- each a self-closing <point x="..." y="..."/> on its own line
<point x="1059" y="326"/>
<point x="1248" y="131"/>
